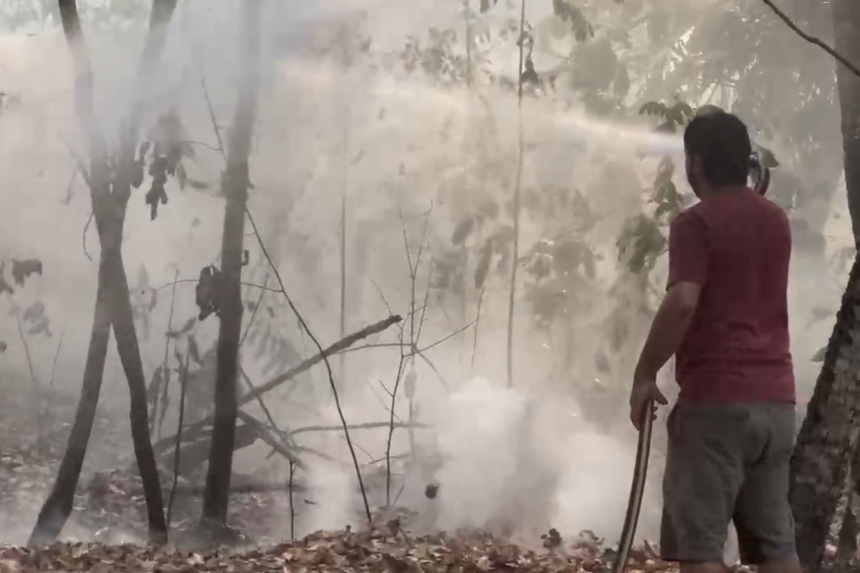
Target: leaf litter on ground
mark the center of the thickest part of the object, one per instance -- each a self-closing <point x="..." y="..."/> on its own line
<point x="341" y="551"/>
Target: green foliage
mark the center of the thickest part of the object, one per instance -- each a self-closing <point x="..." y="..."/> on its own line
<point x="641" y="244"/>
<point x="437" y="57"/>
<point x="567" y="12"/>
<point x="674" y="116"/>
<point x="485" y="5"/>
<point x="32" y="320"/>
<point x="170" y="146"/>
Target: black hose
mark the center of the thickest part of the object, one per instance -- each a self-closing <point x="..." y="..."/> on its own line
<point x="637" y="488"/>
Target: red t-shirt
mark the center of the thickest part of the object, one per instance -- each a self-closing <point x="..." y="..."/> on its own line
<point x="737" y="246"/>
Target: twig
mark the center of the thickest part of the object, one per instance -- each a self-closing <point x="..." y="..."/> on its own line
<point x="446" y="338"/>
<point x="811" y="39"/>
<point x="254" y="312"/>
<point x="29" y="366"/>
<point x="260" y="400"/>
<point x="378" y="345"/>
<point x="56" y="358"/>
<point x="391" y="426"/>
<point x="211" y="109"/>
<point x="164" y="378"/>
<point x="365" y="426"/>
<point x="177" y="452"/>
<point x="252" y="285"/>
<point x="325" y="360"/>
<point x="477" y="324"/>
<point x="26" y="350"/>
<point x="413" y="340"/>
<point x="292" y="508"/>
<point x="382" y="297"/>
<point x="84" y="235"/>
<point x="435" y="371"/>
<point x="345" y="141"/>
<point x="380" y="400"/>
<point x="244" y="374"/>
<point x="70" y="186"/>
<point x="516" y="246"/>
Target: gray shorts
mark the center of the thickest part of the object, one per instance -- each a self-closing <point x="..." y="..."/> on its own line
<point x="728" y="463"/>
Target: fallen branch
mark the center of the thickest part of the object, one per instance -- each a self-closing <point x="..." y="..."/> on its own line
<point x="191" y="489"/>
<point x="268" y="436"/>
<point x="198" y="428"/>
<point x="196" y="452"/>
<point x="309" y="363"/>
<point x="367" y="426"/>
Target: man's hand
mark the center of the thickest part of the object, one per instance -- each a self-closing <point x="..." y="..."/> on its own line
<point x="644" y="391"/>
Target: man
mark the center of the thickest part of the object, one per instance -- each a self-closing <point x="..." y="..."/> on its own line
<point x="725" y="319"/>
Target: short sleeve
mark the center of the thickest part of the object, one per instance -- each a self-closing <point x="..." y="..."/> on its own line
<point x="688" y="250"/>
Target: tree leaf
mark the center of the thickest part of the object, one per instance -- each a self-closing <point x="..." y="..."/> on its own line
<point x="819" y="356"/>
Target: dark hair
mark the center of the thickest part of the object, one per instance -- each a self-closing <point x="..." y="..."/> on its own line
<point x="722" y="142"/>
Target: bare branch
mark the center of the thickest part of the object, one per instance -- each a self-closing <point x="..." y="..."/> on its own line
<point x="367" y="426"/>
<point x="446" y="338"/>
<point x="811" y="39"/>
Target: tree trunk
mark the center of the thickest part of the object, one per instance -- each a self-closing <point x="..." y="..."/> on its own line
<point x="846" y="14"/>
<point x="235" y="186"/>
<point x="846" y="556"/>
<point x="129" y="355"/>
<point x="827" y="439"/>
<point x="58" y="506"/>
<point x="122" y="315"/>
<point x="113" y="306"/>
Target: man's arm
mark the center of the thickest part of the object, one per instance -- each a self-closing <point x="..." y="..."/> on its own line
<point x="668" y="329"/>
<point x="688" y="272"/>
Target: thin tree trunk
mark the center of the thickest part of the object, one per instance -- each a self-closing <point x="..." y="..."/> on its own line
<point x="346" y="45"/>
<point x="217" y="495"/>
<point x="516" y="246"/>
<point x="828" y="436"/>
<point x="58" y="507"/>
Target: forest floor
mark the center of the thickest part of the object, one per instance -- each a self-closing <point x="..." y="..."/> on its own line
<point x="110" y="515"/>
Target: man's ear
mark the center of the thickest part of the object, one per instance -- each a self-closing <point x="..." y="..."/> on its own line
<point x="694" y="166"/>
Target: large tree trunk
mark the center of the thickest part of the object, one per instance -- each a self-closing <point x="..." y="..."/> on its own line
<point x="235" y="186"/>
<point x="828" y="436"/>
<point x="113" y="306"/>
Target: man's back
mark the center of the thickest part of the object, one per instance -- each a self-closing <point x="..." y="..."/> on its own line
<point x="737" y="246"/>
